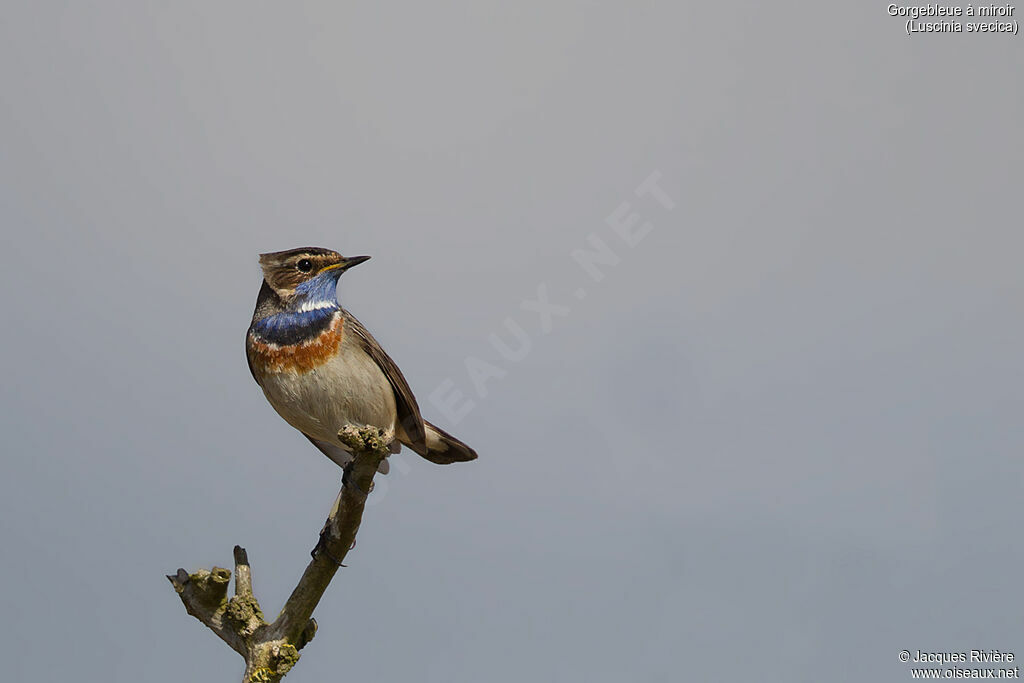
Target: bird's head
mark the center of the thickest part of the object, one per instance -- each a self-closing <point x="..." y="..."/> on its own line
<point x="308" y="273"/>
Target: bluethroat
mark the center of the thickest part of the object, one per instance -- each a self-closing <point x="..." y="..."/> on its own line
<point x="321" y="369"/>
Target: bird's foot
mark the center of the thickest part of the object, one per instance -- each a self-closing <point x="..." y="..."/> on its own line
<point x="321" y="547"/>
<point x="346" y="479"/>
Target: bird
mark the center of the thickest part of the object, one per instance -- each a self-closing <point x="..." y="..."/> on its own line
<point x="321" y="369"/>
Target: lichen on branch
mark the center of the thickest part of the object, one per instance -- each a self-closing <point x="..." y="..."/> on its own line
<point x="272" y="649"/>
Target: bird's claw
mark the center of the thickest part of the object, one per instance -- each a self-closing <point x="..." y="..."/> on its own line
<point x="346" y="479"/>
<point x="321" y="546"/>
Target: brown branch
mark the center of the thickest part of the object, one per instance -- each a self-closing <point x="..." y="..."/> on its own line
<point x="271" y="650"/>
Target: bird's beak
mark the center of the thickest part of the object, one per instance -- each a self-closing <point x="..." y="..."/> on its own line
<point x="345" y="264"/>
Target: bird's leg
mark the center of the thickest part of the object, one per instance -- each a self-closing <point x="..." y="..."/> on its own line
<point x="346" y="476"/>
<point x="321" y="543"/>
<point x="358" y="441"/>
<point x="321" y="546"/>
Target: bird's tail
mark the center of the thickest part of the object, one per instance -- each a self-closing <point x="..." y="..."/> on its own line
<point x="443" y="448"/>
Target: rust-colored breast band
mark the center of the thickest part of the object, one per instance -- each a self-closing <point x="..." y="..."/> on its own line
<point x="300" y="358"/>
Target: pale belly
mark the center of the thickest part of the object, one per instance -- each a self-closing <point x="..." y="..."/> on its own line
<point x="349" y="388"/>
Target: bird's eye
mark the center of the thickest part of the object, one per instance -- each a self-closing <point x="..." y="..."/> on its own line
<point x="305" y="265"/>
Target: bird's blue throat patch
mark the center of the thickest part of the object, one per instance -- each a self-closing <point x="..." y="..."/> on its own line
<point x="310" y="312"/>
<point x="295" y="327"/>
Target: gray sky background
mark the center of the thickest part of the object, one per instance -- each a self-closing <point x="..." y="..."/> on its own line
<point x="781" y="439"/>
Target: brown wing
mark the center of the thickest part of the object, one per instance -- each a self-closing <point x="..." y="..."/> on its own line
<point x="248" y="360"/>
<point x="408" y="412"/>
